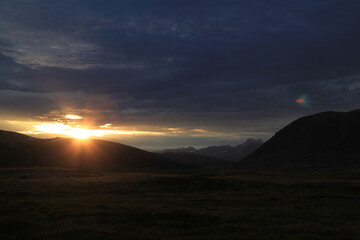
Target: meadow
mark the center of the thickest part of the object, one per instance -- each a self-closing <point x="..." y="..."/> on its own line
<point x="54" y="203"/>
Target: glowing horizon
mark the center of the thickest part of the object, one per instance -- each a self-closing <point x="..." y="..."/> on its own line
<point x="79" y="132"/>
<point x="143" y="136"/>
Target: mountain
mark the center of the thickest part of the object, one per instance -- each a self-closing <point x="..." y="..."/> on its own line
<point x="328" y="140"/>
<point x="18" y="150"/>
<point x="178" y="150"/>
<point x="225" y="152"/>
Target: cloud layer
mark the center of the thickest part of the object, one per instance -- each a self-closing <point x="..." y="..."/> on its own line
<point x="231" y="67"/>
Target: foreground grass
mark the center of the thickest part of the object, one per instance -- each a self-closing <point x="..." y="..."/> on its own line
<point x="66" y="204"/>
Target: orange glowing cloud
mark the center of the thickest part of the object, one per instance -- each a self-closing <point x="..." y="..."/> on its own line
<point x="73" y="117"/>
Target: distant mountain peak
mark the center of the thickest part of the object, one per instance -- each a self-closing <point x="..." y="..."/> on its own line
<point x="253" y="140"/>
<point x="225" y="152"/>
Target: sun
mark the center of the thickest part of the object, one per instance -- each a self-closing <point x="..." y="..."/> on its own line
<point x="63" y="129"/>
<point x="79" y="133"/>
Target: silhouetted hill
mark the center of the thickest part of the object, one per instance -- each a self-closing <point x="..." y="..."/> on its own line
<point x="327" y="140"/>
<point x="225" y="152"/>
<point x="18" y="150"/>
<point x="7" y="136"/>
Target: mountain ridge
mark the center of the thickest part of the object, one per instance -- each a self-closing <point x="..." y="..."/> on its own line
<point x="19" y="150"/>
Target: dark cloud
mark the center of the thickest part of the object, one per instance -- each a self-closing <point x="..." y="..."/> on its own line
<point x="226" y="66"/>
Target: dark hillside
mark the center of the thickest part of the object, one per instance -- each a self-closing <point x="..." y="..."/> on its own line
<point x="320" y="141"/>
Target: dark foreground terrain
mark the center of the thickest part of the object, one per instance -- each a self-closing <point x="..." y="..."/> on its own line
<point x="43" y="203"/>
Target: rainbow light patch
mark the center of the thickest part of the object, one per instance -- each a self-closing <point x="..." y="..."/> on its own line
<point x="303" y="100"/>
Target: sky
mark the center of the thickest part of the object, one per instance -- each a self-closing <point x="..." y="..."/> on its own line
<point x="157" y="74"/>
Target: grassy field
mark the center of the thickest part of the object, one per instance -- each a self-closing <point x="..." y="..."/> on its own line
<point x="69" y="204"/>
